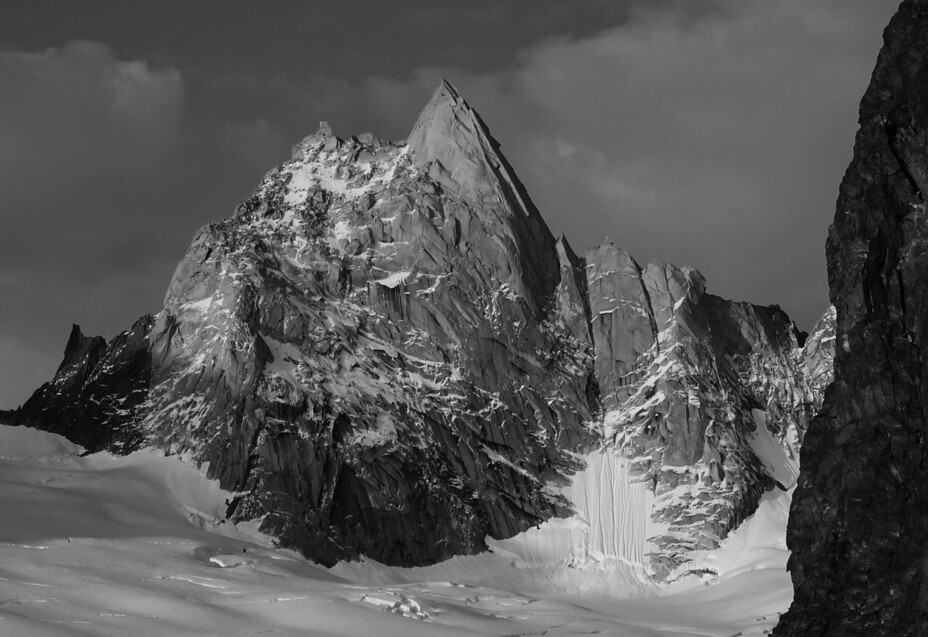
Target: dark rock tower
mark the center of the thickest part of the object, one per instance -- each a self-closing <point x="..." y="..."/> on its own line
<point x="858" y="527"/>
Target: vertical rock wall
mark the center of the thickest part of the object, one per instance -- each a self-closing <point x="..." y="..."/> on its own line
<point x="858" y="527"/>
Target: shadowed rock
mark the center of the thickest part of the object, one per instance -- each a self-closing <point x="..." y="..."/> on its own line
<point x="97" y="390"/>
<point x="858" y="528"/>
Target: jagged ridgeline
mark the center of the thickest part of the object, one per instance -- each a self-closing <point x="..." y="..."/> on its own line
<point x="385" y="352"/>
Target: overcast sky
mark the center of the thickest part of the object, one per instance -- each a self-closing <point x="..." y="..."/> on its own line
<point x="711" y="133"/>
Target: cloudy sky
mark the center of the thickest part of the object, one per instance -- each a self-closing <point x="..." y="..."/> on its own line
<point x="711" y="133"/>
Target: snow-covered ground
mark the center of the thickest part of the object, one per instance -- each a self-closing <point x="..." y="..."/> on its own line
<point x="104" y="545"/>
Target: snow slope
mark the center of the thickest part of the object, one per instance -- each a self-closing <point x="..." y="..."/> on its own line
<point x="104" y="545"/>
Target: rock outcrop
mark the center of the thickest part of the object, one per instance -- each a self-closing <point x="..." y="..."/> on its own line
<point x="858" y="527"/>
<point x="385" y="352"/>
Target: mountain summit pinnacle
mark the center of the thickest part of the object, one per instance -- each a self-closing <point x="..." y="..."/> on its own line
<point x="451" y="134"/>
<point x="453" y="145"/>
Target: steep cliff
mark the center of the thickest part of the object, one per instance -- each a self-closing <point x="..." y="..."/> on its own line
<point x="385" y="352"/>
<point x="858" y="527"/>
<point x="707" y="399"/>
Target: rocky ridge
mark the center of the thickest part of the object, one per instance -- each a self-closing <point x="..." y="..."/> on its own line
<point x="859" y="518"/>
<point x="385" y="352"/>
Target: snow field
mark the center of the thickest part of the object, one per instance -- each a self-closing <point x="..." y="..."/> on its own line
<point x="101" y="545"/>
<point x="772" y="455"/>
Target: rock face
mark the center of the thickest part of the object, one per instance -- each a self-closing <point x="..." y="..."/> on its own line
<point x="858" y="527"/>
<point x="385" y="352"/>
<point x="708" y="399"/>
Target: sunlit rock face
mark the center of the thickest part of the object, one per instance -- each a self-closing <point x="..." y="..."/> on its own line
<point x="858" y="528"/>
<point x="385" y="352"/>
<point x="707" y="398"/>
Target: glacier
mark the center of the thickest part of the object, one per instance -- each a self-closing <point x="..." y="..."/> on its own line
<point x="105" y="545"/>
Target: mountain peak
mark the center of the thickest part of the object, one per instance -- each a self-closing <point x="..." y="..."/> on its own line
<point x="453" y="145"/>
<point x="445" y="95"/>
<point x="447" y="88"/>
<point x="450" y="133"/>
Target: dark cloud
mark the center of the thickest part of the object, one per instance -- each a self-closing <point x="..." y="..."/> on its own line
<point x="348" y="39"/>
<point x="705" y="133"/>
<point x="716" y="138"/>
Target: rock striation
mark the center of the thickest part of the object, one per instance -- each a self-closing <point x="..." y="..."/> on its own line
<point x="385" y="352"/>
<point x="858" y="527"/>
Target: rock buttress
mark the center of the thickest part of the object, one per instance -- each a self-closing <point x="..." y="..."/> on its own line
<point x="858" y="528"/>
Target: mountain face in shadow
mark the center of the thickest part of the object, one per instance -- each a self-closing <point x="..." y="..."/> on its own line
<point x="858" y="527"/>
